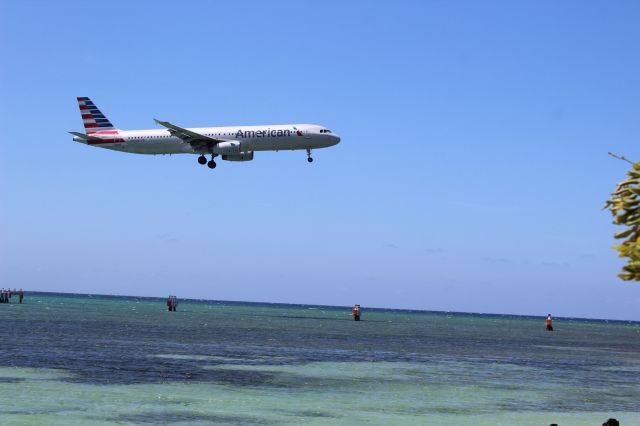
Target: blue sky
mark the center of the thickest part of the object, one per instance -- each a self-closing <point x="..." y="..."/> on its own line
<point x="470" y="177"/>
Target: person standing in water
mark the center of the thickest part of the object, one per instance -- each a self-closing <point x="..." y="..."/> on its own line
<point x="356" y="313"/>
<point x="21" y="295"/>
<point x="172" y="302"/>
<point x="549" y="323"/>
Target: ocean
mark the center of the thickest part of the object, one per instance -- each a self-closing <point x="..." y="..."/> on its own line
<point x="82" y="360"/>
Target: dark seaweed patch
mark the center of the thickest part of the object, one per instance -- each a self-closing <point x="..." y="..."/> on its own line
<point x="11" y="379"/>
<point x="165" y="417"/>
<point x="311" y="413"/>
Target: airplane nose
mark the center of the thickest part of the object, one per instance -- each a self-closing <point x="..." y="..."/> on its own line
<point x="337" y="139"/>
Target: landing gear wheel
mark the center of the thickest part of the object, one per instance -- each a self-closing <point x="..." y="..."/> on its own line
<point x="212" y="164"/>
<point x="310" y="160"/>
<point x="202" y="159"/>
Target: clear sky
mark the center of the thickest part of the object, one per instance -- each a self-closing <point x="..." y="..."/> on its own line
<point x="470" y="176"/>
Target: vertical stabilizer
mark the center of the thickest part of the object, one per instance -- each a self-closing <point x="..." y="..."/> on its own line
<point x="93" y="119"/>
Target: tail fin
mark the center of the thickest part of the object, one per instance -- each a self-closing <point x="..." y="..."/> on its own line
<point x="94" y="120"/>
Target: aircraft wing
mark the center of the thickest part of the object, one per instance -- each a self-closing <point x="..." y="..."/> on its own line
<point x="197" y="140"/>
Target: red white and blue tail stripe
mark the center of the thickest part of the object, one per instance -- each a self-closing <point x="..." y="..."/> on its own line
<point x="94" y="120"/>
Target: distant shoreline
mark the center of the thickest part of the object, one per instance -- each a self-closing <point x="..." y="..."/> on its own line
<point x="331" y="307"/>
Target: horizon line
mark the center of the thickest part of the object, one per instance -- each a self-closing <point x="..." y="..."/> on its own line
<point x="375" y="308"/>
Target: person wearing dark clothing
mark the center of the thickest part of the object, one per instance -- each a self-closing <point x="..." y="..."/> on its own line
<point x="611" y="422"/>
<point x="356" y="312"/>
<point x="21" y="295"/>
<point x="172" y="303"/>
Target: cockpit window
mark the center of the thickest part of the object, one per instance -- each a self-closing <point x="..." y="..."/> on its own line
<point x="325" y="131"/>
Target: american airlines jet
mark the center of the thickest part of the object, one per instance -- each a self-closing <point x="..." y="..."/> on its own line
<point x="236" y="143"/>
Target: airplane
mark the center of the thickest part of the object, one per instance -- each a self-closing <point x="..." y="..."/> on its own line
<point x="232" y="143"/>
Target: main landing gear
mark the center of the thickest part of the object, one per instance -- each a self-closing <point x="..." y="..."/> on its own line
<point x="309" y="159"/>
<point x="211" y="163"/>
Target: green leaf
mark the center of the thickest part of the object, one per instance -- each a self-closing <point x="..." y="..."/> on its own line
<point x="624" y="234"/>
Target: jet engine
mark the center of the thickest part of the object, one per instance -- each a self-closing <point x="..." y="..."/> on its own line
<point x="243" y="156"/>
<point x="227" y="148"/>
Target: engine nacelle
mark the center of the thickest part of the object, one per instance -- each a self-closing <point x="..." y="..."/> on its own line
<point x="227" y="148"/>
<point x="243" y="156"/>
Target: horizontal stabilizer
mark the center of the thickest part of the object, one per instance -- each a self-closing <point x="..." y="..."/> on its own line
<point x="85" y="137"/>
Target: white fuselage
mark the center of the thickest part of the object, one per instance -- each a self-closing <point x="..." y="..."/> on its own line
<point x="235" y="139"/>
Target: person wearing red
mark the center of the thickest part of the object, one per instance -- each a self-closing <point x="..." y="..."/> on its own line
<point x="356" y="313"/>
<point x="548" y="323"/>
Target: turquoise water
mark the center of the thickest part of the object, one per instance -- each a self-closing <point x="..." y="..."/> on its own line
<point x="69" y="359"/>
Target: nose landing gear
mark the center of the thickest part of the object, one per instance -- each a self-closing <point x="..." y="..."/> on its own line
<point x="309" y="159"/>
